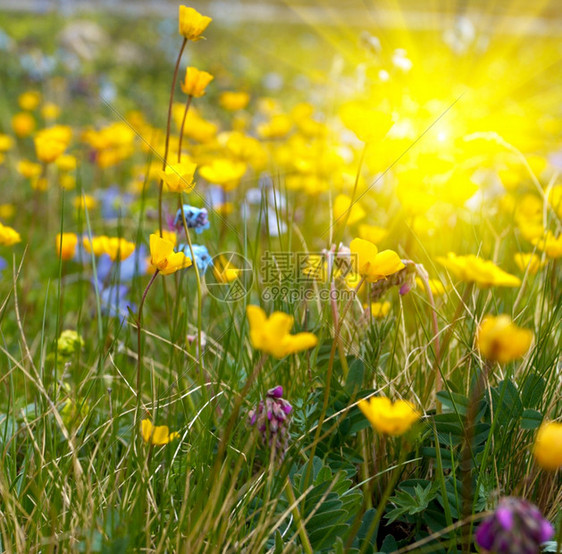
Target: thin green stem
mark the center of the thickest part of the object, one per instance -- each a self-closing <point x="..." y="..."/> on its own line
<point x="307" y="547"/>
<point x="187" y="104"/>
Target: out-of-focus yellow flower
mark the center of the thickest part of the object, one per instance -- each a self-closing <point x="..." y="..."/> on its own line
<point x="195" y="82"/>
<point x="272" y="334"/>
<point x="531" y="230"/>
<point x="436" y="286"/>
<point x="224" y="172"/>
<point x="156" y="434"/>
<point x="368" y="125"/>
<point x="378" y="309"/>
<point x="40" y="184"/>
<point x="224" y="271"/>
<point x="548" y="446"/>
<point x="372" y="264"/>
<point x="23" y="124"/>
<point x="66" y="248"/>
<point x="555" y="199"/>
<point x="66" y="162"/>
<point x="352" y="281"/>
<point x="372" y="233"/>
<point x="315" y="267"/>
<point x="528" y="262"/>
<point x="278" y="126"/>
<point x="28" y="169"/>
<point x="8" y="236"/>
<point x="163" y="257"/>
<point x="499" y="340"/>
<point x="233" y="101"/>
<point x="170" y="236"/>
<point x="179" y="177"/>
<point x="51" y="143"/>
<point x="67" y="181"/>
<point x="342" y="202"/>
<point x="116" y="248"/>
<point x="85" y="201"/>
<point x="550" y="245"/>
<point x="482" y="272"/>
<point x="6" y="142"/>
<point x="7" y="211"/>
<point x="29" y="100"/>
<point x="387" y="417"/>
<point x="50" y="111"/>
<point x="113" y="143"/>
<point x="192" y="23"/>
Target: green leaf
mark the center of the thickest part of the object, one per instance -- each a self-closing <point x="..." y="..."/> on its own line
<point x="531" y="419"/>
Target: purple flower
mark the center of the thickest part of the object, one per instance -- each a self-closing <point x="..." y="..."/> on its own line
<point x="272" y="418"/>
<point x="515" y="527"/>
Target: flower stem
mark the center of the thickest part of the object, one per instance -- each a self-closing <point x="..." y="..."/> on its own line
<point x="167" y="142"/>
<point x="139" y="338"/>
<point x="187" y="104"/>
<point x="307" y="547"/>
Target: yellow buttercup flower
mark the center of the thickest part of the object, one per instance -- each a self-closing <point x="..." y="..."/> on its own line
<point x="233" y="101"/>
<point x="436" y="286"/>
<point x="342" y="202"/>
<point x="85" y="201"/>
<point x="548" y="446"/>
<point x="95" y="245"/>
<point x="195" y="82"/>
<point x="29" y="100"/>
<point x="390" y="418"/>
<point x="118" y="248"/>
<point x="67" y="247"/>
<point x="179" y="177"/>
<point x="50" y="111"/>
<point x="163" y="257"/>
<point x="277" y="127"/>
<point x="372" y="264"/>
<point x="66" y="162"/>
<point x="550" y="245"/>
<point x="224" y="271"/>
<point x="192" y="23"/>
<point x="8" y="236"/>
<point x="482" y="272"/>
<point x="372" y="233"/>
<point x="6" y="142"/>
<point x="30" y="170"/>
<point x="367" y="124"/>
<point x="224" y="172"/>
<point x="272" y="334"/>
<point x="156" y="434"/>
<point x="528" y="262"/>
<point x="23" y="124"/>
<point x="51" y="143"/>
<point x="7" y="211"/>
<point x="378" y="309"/>
<point x="499" y="340"/>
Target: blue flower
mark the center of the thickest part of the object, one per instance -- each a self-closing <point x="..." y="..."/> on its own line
<point x="196" y="218"/>
<point x="202" y="257"/>
<point x="114" y="301"/>
<point x="114" y="203"/>
<point x="131" y="267"/>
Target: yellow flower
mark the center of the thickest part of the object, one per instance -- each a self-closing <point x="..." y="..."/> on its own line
<point x="277" y="127"/>
<point x="95" y="245"/>
<point x="170" y="236"/>
<point x="436" y="286"/>
<point x="67" y="181"/>
<point x="388" y="417"/>
<point x="372" y="264"/>
<point x="50" y="143"/>
<point x="271" y="334"/>
<point x="379" y="309"/>
<point x="195" y="82"/>
<point x="8" y="236"/>
<point x="550" y="245"/>
<point x="30" y="170"/>
<point x="50" y="111"/>
<point x="6" y="142"/>
<point x="372" y="233"/>
<point x="192" y="23"/>
<point x="224" y="271"/>
<point x="118" y="248"/>
<point x="179" y="177"/>
<point x="548" y="446"/>
<point x="67" y="247"/>
<point x="223" y="172"/>
<point x="157" y="435"/>
<point x="499" y="340"/>
<point x="85" y="201"/>
<point x="233" y="101"/>
<point x="367" y="124"/>
<point x="66" y="162"/>
<point x="342" y="203"/>
<point x="528" y="262"/>
<point x="29" y="100"/>
<point x="315" y="267"/>
<point x="163" y="257"/>
<point x="23" y="124"/>
<point x="7" y="211"/>
<point x="482" y="272"/>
